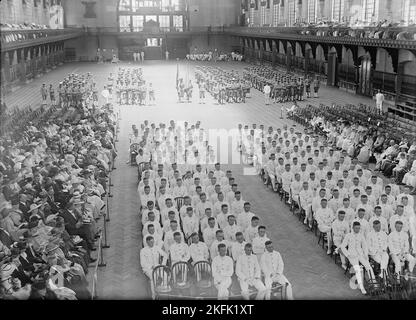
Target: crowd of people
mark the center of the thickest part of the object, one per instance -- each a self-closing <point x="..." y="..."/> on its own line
<point x="54" y="163"/>
<point x="214" y="56"/>
<point x="359" y="29"/>
<point x="192" y="211"/>
<point x="131" y="88"/>
<point x="224" y="86"/>
<point x="279" y="86"/>
<point x="365" y="220"/>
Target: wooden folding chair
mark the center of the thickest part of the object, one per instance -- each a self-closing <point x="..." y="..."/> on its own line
<point x="161" y="280"/>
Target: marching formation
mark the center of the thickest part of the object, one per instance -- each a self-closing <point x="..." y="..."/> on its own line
<point x="364" y="221"/>
<point x="73" y="91"/>
<point x="193" y="214"/>
<point x="224" y="86"/>
<point x="131" y="88"/>
<point x="279" y="86"/>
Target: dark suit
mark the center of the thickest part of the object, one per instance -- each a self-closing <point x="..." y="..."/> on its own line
<point x="5" y="238"/>
<point x="70" y="226"/>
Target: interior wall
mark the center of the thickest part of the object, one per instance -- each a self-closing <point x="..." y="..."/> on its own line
<point x="384" y="61"/>
<point x="15" y="12"/>
<point x="222" y="43"/>
<point x="410" y="68"/>
<point x="203" y="13"/>
<point x="87" y="46"/>
<point x="105" y="10"/>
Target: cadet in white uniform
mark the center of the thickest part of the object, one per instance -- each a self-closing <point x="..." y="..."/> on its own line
<point x="399" y="248"/>
<point x="149" y="258"/>
<point x="208" y="234"/>
<point x="357" y="252"/>
<point x="324" y="217"/>
<point x="231" y="229"/>
<point x="222" y="270"/>
<point x="340" y="228"/>
<point x="377" y="241"/>
<point x="272" y="266"/>
<point x="179" y="251"/>
<point x="237" y="248"/>
<point x="198" y="249"/>
<point x="248" y="273"/>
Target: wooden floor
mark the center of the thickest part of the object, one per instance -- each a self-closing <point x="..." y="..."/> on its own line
<point x="312" y="273"/>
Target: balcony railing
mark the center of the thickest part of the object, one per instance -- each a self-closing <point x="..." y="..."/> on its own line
<point x="387" y="37"/>
<point x="15" y="38"/>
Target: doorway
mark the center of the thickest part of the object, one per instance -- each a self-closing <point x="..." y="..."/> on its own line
<point x="364" y="77"/>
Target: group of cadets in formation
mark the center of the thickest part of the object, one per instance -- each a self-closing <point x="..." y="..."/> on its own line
<point x="224" y="86"/>
<point x="71" y="91"/>
<point x="214" y="223"/>
<point x="281" y="86"/>
<point x="360" y="215"/>
<point x="132" y="89"/>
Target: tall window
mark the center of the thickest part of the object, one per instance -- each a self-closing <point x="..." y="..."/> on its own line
<point x="276" y="14"/>
<point x="337" y="10"/>
<point x="251" y="13"/>
<point x="263" y="15"/>
<point x="164" y="22"/>
<point x="178" y="23"/>
<point x="125" y="23"/>
<point x="138" y="23"/>
<point x="292" y="13"/>
<point x="312" y="9"/>
<point x="409" y="11"/>
<point x="370" y="10"/>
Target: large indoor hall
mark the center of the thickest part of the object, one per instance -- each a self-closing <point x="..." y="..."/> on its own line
<point x="293" y="140"/>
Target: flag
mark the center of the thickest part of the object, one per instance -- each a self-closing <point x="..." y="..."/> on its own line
<point x="177" y="74"/>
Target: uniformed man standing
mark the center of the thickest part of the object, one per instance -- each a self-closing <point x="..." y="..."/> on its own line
<point x="272" y="265"/>
<point x="44" y="92"/>
<point x="222" y="270"/>
<point x="266" y="91"/>
<point x="248" y="273"/>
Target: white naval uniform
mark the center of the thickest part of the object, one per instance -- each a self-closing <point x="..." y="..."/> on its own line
<point x="208" y="234"/>
<point x="248" y="273"/>
<point x="244" y="219"/>
<point x="222" y="270"/>
<point x="377" y="248"/>
<point x="199" y="252"/>
<point x="237" y="249"/>
<point x="272" y="265"/>
<point x="149" y="258"/>
<point x="179" y="252"/>
<point x="259" y="245"/>
<point x="214" y="247"/>
<point x="230" y="231"/>
<point x="399" y="249"/>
